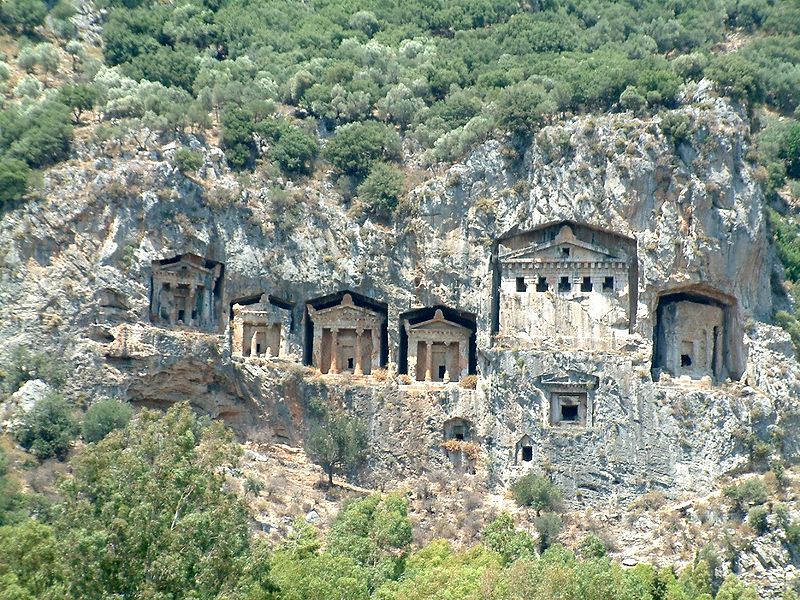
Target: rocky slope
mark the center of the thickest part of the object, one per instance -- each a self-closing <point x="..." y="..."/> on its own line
<point x="75" y="282"/>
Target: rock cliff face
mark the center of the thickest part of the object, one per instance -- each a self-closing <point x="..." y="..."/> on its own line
<point x="76" y="273"/>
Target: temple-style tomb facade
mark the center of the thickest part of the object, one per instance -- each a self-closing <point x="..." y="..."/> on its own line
<point x="260" y="329"/>
<point x="347" y="338"/>
<point x="438" y="349"/>
<point x="186" y="290"/>
<point x="566" y="284"/>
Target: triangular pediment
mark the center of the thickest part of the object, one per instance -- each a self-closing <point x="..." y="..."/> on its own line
<point x="184" y="266"/>
<point x="578" y="251"/>
<point x="439" y="325"/>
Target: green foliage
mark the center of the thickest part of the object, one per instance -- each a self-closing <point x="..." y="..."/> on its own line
<point x="48" y="428"/>
<point x="338" y="443"/>
<point x="593" y="547"/>
<point x="103" y="417"/>
<point x="757" y="519"/>
<point x="21" y="365"/>
<point x="382" y="190"/>
<point x="187" y="160"/>
<point x="521" y="108"/>
<point x="12" y="502"/>
<point x="294" y="150"/>
<point x="548" y="526"/>
<point x="23" y="15"/>
<point x="737" y="77"/>
<point x="14" y="180"/>
<point x="538" y="492"/>
<point x="436" y="572"/>
<point x="677" y="127"/>
<point x="750" y="492"/>
<point x="237" y="137"/>
<point x="357" y="146"/>
<point x="374" y="533"/>
<point x="501" y="536"/>
<point x="79" y="98"/>
<point x="146" y="513"/>
<point x="39" y="134"/>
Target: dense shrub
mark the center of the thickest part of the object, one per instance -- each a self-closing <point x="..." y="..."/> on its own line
<point x="103" y="417"/>
<point x="757" y="518"/>
<point x="294" y="150"/>
<point x="537" y="491"/>
<point x="382" y="190"/>
<point x="187" y="160"/>
<point x="48" y="428"/>
<point x="14" y="178"/>
<point x="357" y="146"/>
<point x="338" y="443"/>
<point x="548" y="526"/>
<point x="750" y="492"/>
<point x="23" y="15"/>
<point x="21" y="365"/>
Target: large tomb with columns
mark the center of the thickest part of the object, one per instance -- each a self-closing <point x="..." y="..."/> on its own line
<point x="566" y="285"/>
<point x="186" y="290"/>
<point x="347" y="336"/>
<point x="438" y="349"/>
<point x="697" y="334"/>
<point x="261" y="329"/>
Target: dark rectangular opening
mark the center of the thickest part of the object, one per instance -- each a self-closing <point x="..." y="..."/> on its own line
<point x="563" y="284"/>
<point x="458" y="433"/>
<point x="350" y="363"/>
<point x="569" y="413"/>
<point x="686" y="360"/>
<point x="194" y="314"/>
<point x="586" y="284"/>
<point x="608" y="284"/>
<point x="181" y="315"/>
<point x="521" y="286"/>
<point x="565" y="252"/>
<point x="527" y="453"/>
<point x="442" y="370"/>
<point x="541" y="284"/>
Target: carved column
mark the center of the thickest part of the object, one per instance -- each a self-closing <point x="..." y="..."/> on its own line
<point x="254" y="343"/>
<point x="316" y="348"/>
<point x="334" y="351"/>
<point x="205" y="319"/>
<point x="188" y="306"/>
<point x="376" y="346"/>
<point x="411" y="357"/>
<point x="428" y="359"/>
<point x="357" y="369"/>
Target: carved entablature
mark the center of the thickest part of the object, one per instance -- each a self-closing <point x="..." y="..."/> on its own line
<point x="260" y="329"/>
<point x="186" y="290"/>
<point x="347" y="338"/>
<point x="542" y="274"/>
<point x="544" y="266"/>
<point x="438" y="349"/>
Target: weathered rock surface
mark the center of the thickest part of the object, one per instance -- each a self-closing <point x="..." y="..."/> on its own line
<point x="75" y="281"/>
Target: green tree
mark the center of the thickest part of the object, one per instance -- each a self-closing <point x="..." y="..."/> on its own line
<point x="294" y="150"/>
<point x="501" y="536"/>
<point x="382" y="190"/>
<point x="103" y="417"/>
<point x="548" y="526"/>
<point x="376" y="533"/>
<point x="187" y="160"/>
<point x="522" y="108"/>
<point x="237" y="137"/>
<point x="357" y="146"/>
<point x="146" y="514"/>
<point x="338" y="443"/>
<point x="23" y="15"/>
<point x="536" y="491"/>
<point x="30" y="563"/>
<point x="79" y="98"/>
<point x="14" y="178"/>
<point x="48" y="428"/>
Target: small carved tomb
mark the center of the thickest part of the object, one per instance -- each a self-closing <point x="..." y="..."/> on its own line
<point x="570" y="399"/>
